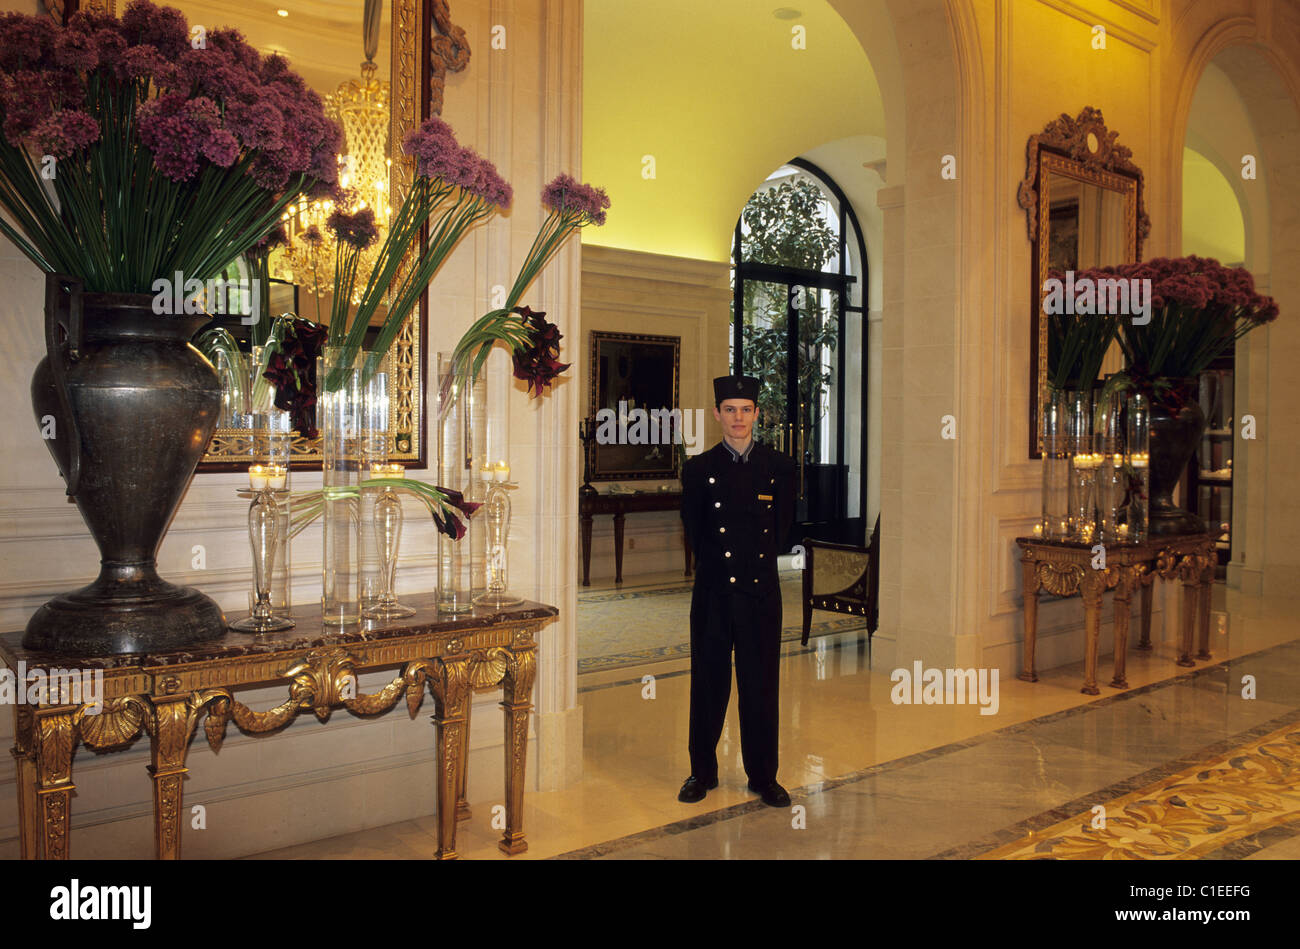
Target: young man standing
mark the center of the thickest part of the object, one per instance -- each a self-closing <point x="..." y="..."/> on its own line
<point x="737" y="508"/>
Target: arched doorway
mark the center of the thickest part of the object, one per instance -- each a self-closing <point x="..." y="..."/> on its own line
<point x="1252" y="92"/>
<point x="799" y="282"/>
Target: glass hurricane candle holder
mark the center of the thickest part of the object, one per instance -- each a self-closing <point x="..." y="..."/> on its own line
<point x="1083" y="483"/>
<point x="1083" y="467"/>
<point x="263" y="536"/>
<point x="1056" y="467"/>
<point x="1110" y="479"/>
<point x="497" y="512"/>
<point x="388" y="540"/>
<point x="1139" y="466"/>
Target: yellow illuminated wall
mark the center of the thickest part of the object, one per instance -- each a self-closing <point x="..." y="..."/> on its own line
<point x="1212" y="221"/>
<point x="718" y="95"/>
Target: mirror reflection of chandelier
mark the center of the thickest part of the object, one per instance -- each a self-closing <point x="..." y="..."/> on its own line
<point x="362" y="107"/>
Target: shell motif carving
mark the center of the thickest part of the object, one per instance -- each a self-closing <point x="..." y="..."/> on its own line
<point x="488" y="667"/>
<point x="1062" y="580"/>
<point x="119" y="722"/>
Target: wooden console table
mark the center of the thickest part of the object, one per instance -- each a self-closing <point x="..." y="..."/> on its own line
<point x="620" y="505"/>
<point x="166" y="694"/>
<point x="1064" y="568"/>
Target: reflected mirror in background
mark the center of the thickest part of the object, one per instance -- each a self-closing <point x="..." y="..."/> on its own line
<point x="1086" y="218"/>
<point x="343" y="49"/>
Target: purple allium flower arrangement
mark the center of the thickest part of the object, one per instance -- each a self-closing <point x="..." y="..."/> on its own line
<point x="454" y="189"/>
<point x="107" y="122"/>
<point x="565" y="195"/>
<point x="1199" y="308"/>
<point x="534" y="343"/>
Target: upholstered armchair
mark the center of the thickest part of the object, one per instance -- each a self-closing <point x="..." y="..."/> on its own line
<point x="842" y="578"/>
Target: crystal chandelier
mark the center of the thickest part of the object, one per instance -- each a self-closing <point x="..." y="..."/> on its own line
<point x="362" y="107"/>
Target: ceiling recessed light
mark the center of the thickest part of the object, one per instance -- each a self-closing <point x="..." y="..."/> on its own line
<point x="282" y="12"/>
<point x="787" y="13"/>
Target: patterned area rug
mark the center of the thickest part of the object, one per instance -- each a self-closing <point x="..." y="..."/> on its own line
<point x="637" y="625"/>
<point x="1198" y="811"/>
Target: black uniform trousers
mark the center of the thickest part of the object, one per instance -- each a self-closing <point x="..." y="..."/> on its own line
<point x="720" y="621"/>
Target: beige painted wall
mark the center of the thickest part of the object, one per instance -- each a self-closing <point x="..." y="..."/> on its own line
<point x="625" y="291"/>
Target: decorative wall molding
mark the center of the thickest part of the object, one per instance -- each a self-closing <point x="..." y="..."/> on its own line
<point x="1145" y="41"/>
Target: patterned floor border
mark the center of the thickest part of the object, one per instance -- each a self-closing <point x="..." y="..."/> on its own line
<point x="1023" y="828"/>
<point x="1215" y="798"/>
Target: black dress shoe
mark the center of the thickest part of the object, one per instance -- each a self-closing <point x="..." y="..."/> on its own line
<point x="694" y="789"/>
<point x="773" y="794"/>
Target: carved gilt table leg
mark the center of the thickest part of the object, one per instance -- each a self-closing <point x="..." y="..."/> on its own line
<point x="1191" y="603"/>
<point x="55" y="735"/>
<point x="170" y="726"/>
<point x="1030" y="577"/>
<point x="1148" y="582"/>
<point x="451" y="694"/>
<point x="1092" y="586"/>
<point x="463" y="811"/>
<point x="25" y="773"/>
<point x="517" y="695"/>
<point x="1207" y="591"/>
<point x="1123" y="605"/>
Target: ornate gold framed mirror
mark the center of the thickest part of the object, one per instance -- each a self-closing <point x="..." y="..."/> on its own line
<point x="1082" y="197"/>
<point x="380" y="67"/>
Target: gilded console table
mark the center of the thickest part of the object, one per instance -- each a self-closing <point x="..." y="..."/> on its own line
<point x="1064" y="568"/>
<point x="166" y="694"/>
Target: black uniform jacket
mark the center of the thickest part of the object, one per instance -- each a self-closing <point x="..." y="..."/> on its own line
<point x="737" y="516"/>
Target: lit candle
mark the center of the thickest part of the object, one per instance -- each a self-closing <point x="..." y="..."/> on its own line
<point x="276" y="476"/>
<point x="502" y="471"/>
<point x="393" y="470"/>
<point x="257" y="477"/>
<point x="1038" y="530"/>
<point x="1140" y="459"/>
<point x="485" y="472"/>
<point x="1123" y="532"/>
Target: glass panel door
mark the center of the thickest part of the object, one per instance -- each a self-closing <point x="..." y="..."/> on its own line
<point x="792" y="345"/>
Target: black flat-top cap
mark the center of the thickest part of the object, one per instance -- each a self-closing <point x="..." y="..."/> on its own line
<point x="735" y="387"/>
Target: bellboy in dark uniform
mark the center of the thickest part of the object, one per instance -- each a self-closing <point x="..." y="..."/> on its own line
<point x="737" y="508"/>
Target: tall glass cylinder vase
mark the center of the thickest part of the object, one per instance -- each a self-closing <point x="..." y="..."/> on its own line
<point x="373" y="445"/>
<point x="339" y="407"/>
<point x="456" y="472"/>
<point x="1056" y="466"/>
<point x="1108" y="440"/>
<point x="480" y="466"/>
<point x="1138" y="437"/>
<point x="273" y="448"/>
<point x="1083" y="465"/>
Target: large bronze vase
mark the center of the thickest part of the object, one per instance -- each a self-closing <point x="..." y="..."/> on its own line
<point x="131" y="406"/>
<point x="1174" y="436"/>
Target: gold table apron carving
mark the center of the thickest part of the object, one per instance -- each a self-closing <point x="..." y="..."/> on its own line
<point x="166" y="694"/>
<point x="1064" y="568"/>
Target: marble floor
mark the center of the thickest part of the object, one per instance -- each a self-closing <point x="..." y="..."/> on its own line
<point x="880" y="780"/>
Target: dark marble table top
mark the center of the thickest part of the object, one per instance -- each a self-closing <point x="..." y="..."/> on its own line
<point x="309" y="633"/>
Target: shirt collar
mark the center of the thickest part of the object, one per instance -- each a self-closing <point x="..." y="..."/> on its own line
<point x="739" y="456"/>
